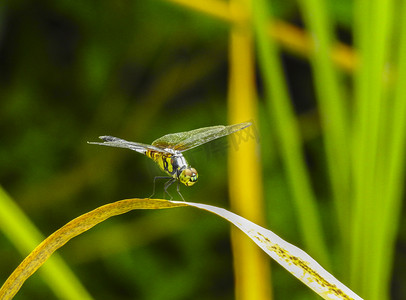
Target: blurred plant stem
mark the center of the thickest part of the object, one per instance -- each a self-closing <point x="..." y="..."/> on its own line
<point x="25" y="237"/>
<point x="251" y="266"/>
<point x="290" y="37"/>
<point x="333" y="111"/>
<point x="378" y="148"/>
<point x="281" y="111"/>
<point x="369" y="113"/>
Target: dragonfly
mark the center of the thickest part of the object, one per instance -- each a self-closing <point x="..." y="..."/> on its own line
<point x="167" y="151"/>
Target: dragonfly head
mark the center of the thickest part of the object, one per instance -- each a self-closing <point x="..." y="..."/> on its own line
<point x="188" y="176"/>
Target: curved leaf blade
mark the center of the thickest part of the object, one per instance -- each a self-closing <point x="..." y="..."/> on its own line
<point x="296" y="261"/>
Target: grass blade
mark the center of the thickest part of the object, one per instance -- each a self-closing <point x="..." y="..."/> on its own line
<point x="23" y="234"/>
<point x="370" y="117"/>
<point x="333" y="108"/>
<point x="392" y="169"/>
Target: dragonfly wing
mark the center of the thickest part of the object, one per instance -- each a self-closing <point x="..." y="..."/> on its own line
<point x="183" y="141"/>
<point x="112" y="141"/>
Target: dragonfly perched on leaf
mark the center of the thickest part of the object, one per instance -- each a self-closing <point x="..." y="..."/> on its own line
<point x="167" y="151"/>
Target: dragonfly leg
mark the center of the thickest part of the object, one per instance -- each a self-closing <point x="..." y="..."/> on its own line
<point x="155" y="178"/>
<point x="177" y="188"/>
<point x="168" y="184"/>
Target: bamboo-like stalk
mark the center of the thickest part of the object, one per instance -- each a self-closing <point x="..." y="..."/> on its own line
<point x="251" y="266"/>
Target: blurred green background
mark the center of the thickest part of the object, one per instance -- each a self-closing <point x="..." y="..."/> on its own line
<point x="71" y="71"/>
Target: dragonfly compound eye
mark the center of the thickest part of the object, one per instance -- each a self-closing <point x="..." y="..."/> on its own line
<point x="188" y="176"/>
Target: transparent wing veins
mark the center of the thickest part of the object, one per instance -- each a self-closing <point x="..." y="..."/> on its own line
<point x="183" y="141"/>
<point x="112" y="141"/>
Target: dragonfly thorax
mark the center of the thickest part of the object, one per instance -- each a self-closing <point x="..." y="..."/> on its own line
<point x="181" y="169"/>
<point x="174" y="163"/>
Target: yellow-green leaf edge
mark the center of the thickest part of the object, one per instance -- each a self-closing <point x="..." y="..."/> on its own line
<point x="290" y="257"/>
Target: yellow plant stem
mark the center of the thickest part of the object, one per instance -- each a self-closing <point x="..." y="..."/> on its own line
<point x="290" y="37"/>
<point x="245" y="180"/>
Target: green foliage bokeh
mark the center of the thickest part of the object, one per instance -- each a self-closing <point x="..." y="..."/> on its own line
<point x="72" y="71"/>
